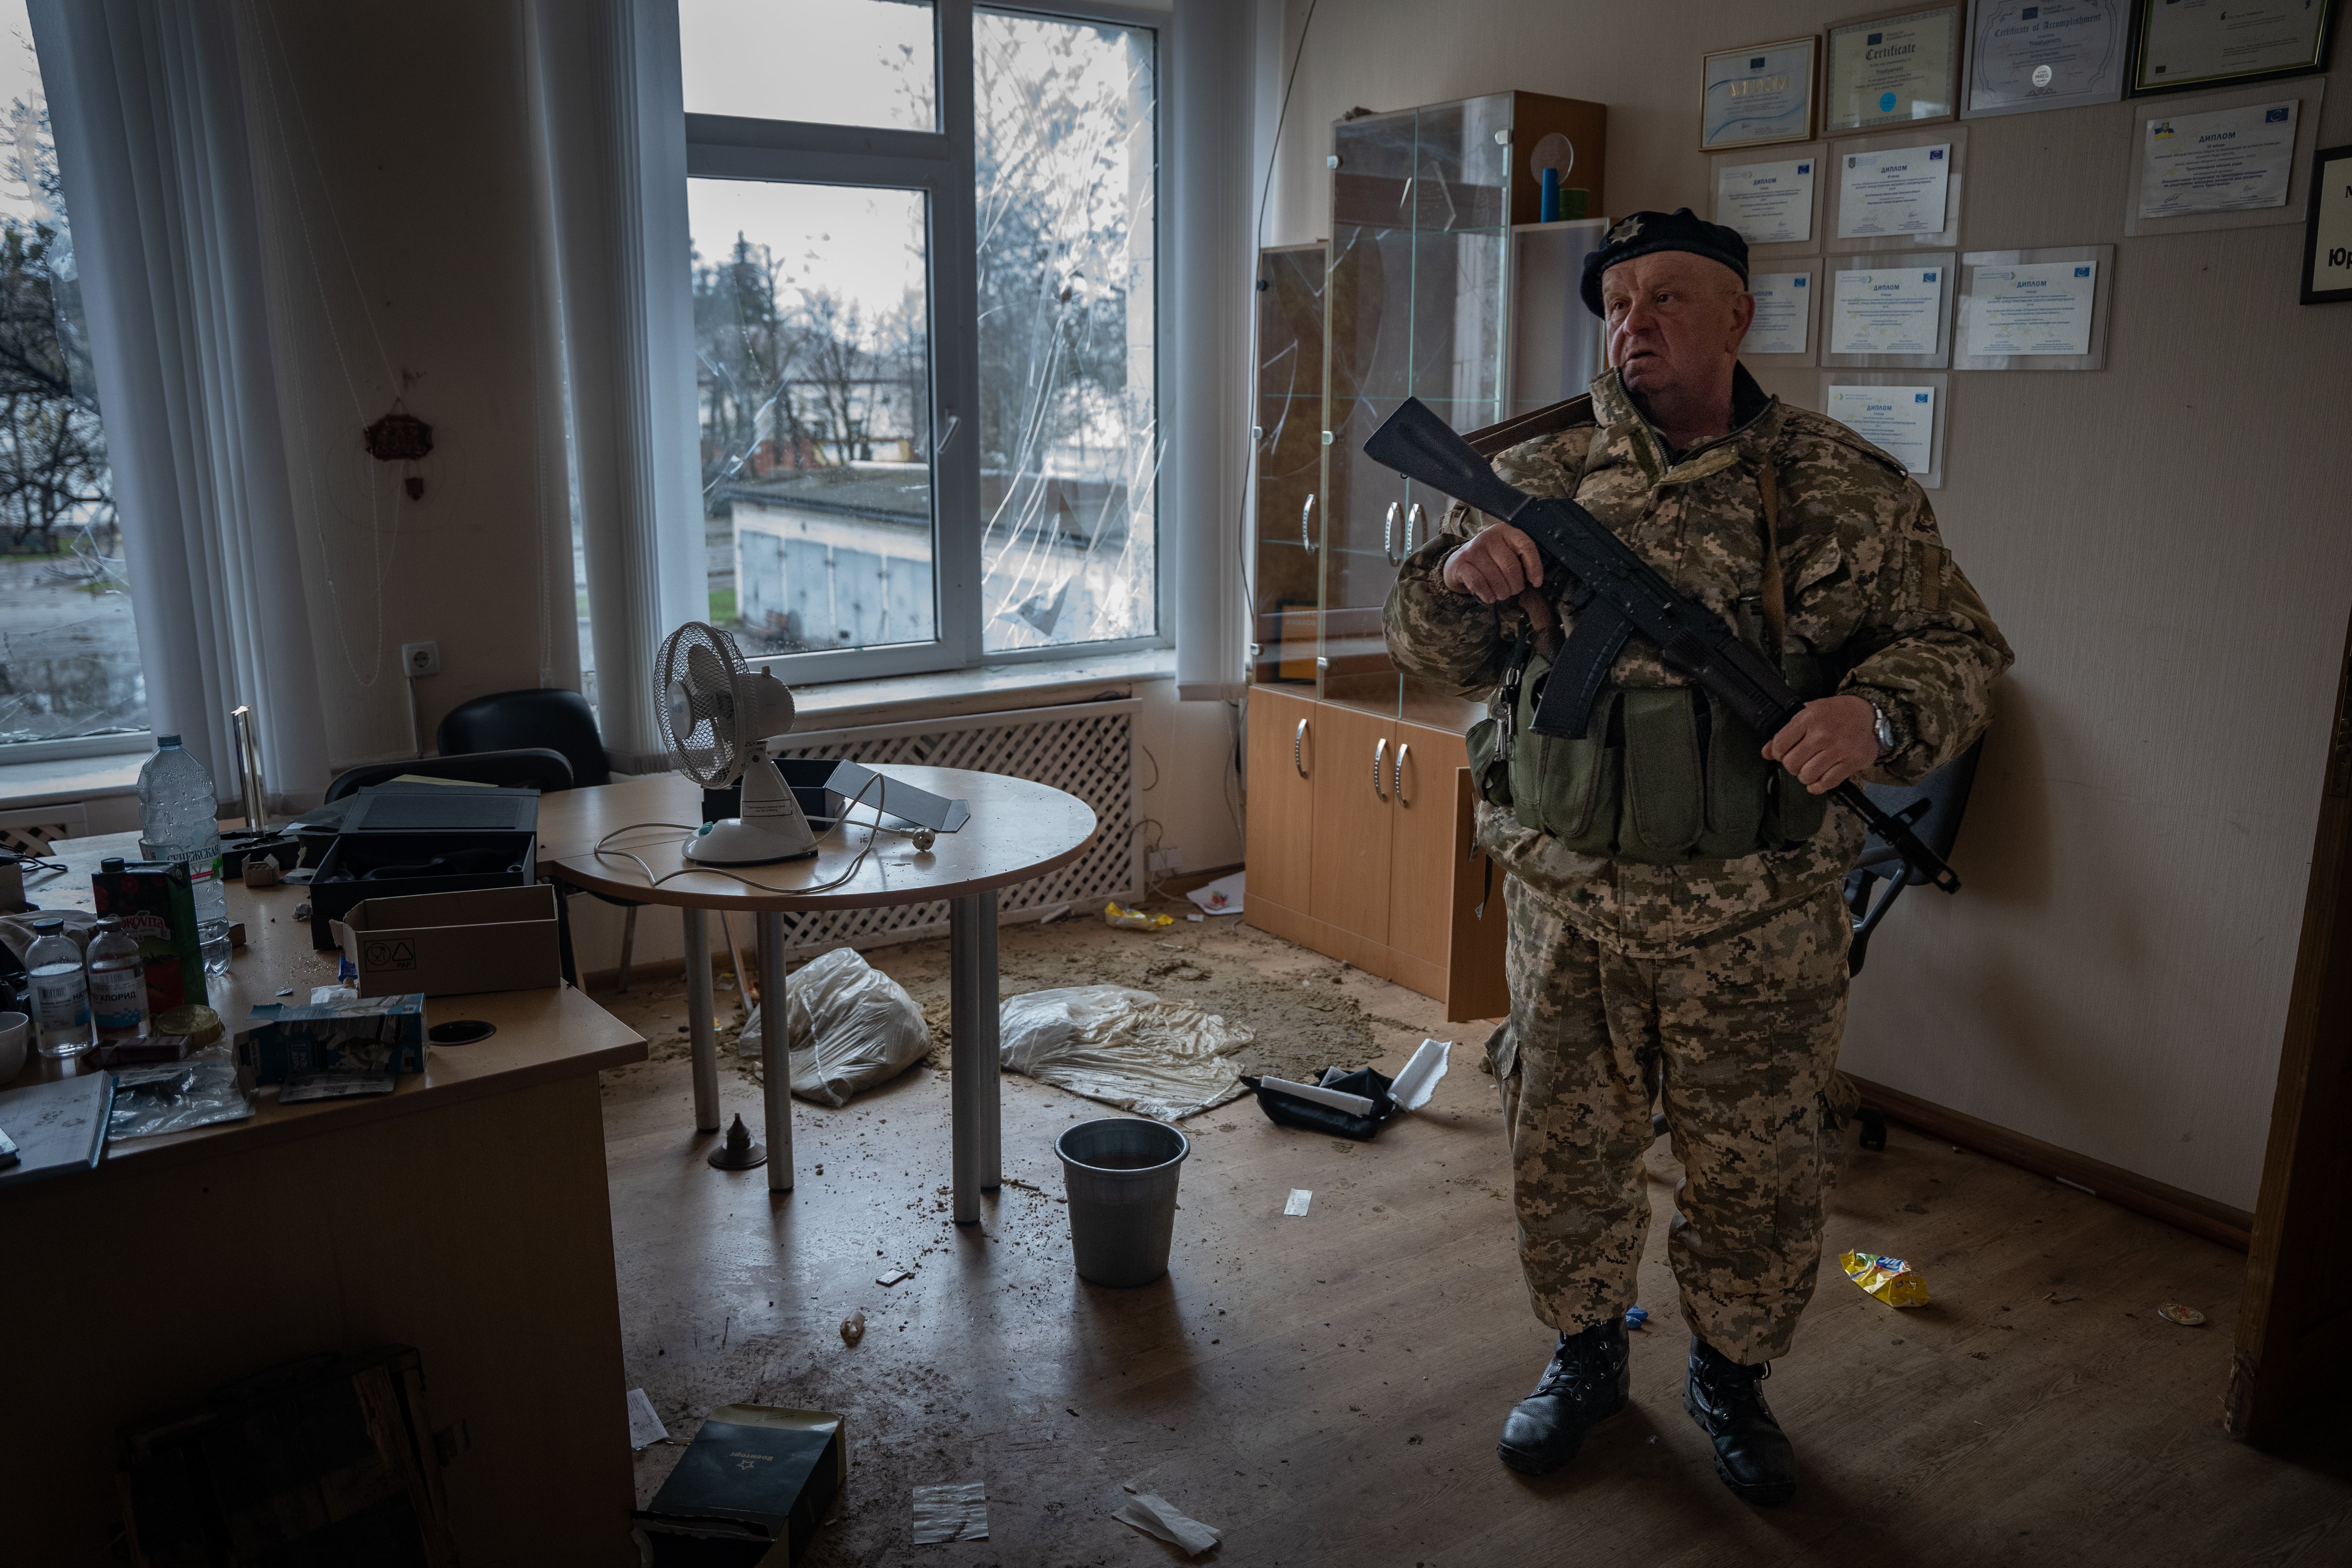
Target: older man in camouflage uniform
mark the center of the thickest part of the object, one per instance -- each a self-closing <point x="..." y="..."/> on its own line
<point x="1676" y="925"/>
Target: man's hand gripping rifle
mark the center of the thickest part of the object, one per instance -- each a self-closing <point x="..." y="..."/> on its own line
<point x="1622" y="593"/>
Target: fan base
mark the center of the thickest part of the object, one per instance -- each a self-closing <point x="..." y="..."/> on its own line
<point x="758" y="841"/>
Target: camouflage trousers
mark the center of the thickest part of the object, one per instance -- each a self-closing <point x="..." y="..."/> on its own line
<point x="1740" y="1038"/>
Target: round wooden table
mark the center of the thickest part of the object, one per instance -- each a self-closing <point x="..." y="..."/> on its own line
<point x="1018" y="830"/>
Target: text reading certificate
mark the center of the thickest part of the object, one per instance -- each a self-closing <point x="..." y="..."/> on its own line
<point x="2032" y="307"/>
<point x="1898" y="420"/>
<point x="2046" y="54"/>
<point x="1768" y="203"/>
<point x="1900" y="190"/>
<point x="1887" y="312"/>
<point x="1783" y="312"/>
<point x="2224" y="162"/>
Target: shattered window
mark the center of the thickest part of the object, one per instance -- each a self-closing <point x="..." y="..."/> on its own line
<point x="1066" y="156"/>
<point x="831" y="62"/>
<point x="69" y="665"/>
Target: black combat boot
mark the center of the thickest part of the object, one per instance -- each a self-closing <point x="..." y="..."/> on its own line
<point x="1751" y="1453"/>
<point x="1585" y="1384"/>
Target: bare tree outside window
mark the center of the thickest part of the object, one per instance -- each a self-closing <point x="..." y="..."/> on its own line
<point x="69" y="665"/>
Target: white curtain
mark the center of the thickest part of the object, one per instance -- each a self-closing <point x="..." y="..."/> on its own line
<point x="148" y="103"/>
<point x="608" y="131"/>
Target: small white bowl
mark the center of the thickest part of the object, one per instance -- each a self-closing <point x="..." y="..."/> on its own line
<point x="15" y="1032"/>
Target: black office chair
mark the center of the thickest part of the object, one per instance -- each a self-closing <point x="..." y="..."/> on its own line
<point x="558" y="720"/>
<point x="531" y="767"/>
<point x="550" y="716"/>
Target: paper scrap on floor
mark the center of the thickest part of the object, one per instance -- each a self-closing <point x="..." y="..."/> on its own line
<point x="1414" y="1085"/>
<point x="1155" y="1515"/>
<point x="1221" y="897"/>
<point x="957" y="1513"/>
<point x="645" y="1428"/>
<point x="1299" y="1198"/>
<point x="1123" y="1048"/>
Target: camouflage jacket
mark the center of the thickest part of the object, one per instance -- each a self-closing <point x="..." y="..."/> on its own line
<point x="1865" y="578"/>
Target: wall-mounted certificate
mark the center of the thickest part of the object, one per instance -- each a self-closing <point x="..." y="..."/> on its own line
<point x="2206" y="43"/>
<point x="1892" y="310"/>
<point x="1758" y="95"/>
<point x="1894" y="68"/>
<point x="2045" y="54"/>
<point x="1900" y="421"/>
<point x="2032" y="307"/>
<point x="1896" y="190"/>
<point x="1784" y="314"/>
<point x="1768" y="203"/>
<point x="2228" y="160"/>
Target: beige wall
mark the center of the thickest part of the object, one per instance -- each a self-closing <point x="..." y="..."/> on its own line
<point x="2165" y="543"/>
<point x="395" y="176"/>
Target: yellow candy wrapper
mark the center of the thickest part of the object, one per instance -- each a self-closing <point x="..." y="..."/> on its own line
<point x="1134" y="920"/>
<point x="1888" y="1278"/>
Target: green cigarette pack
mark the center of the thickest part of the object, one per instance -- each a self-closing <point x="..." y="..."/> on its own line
<point x="157" y="906"/>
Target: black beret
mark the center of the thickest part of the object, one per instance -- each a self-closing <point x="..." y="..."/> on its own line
<point x="1640" y="234"/>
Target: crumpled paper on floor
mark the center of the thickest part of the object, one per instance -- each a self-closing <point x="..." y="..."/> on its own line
<point x="645" y="1428"/>
<point x="1123" y="1048"/>
<point x="1155" y="1515"/>
<point x="958" y="1512"/>
<point x="1889" y="1279"/>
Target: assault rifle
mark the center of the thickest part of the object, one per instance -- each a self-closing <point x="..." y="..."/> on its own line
<point x="1621" y="593"/>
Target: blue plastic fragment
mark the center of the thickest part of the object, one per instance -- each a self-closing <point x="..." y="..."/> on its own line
<point x="1636" y="1316"/>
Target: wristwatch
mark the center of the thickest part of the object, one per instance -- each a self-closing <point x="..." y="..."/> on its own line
<point x="1885" y="729"/>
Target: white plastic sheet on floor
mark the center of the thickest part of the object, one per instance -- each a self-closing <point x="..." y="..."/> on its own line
<point x="848" y="1025"/>
<point x="1123" y="1048"/>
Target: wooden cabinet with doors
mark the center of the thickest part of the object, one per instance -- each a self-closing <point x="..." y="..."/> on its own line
<point x="1360" y="847"/>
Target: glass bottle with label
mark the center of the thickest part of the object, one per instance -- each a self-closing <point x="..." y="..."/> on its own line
<point x="118" y="985"/>
<point x="60" y="990"/>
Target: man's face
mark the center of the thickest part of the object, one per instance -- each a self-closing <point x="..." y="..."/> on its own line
<point x="1675" y="322"/>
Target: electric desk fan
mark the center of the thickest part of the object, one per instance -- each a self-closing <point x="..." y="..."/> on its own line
<point x="715" y="717"/>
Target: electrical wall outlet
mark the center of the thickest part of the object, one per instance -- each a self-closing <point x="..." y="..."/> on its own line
<point x="1164" y="861"/>
<point x="420" y="657"/>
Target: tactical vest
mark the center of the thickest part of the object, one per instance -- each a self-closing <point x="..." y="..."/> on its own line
<point x="1662" y="775"/>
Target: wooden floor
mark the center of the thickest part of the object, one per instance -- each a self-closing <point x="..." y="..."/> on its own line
<point x="1326" y="1389"/>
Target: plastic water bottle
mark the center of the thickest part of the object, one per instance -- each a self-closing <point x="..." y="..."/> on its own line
<point x="179" y="820"/>
<point x="60" y="991"/>
<point x="118" y="985"/>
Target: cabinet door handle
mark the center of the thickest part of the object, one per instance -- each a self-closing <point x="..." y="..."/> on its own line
<point x="1380" y="755"/>
<point x="1387" y="532"/>
<point x="1397" y="787"/>
<point x="1306" y="516"/>
<point x="1416" y="523"/>
<point x="1297" y="747"/>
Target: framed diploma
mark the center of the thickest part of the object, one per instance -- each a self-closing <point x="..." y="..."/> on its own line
<point x="2181" y="44"/>
<point x="1758" y="96"/>
<point x="2327" y="230"/>
<point x="1896" y="67"/>
<point x="2045" y="54"/>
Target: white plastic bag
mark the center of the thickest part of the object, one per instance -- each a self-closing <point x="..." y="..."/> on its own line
<point x="1122" y="1046"/>
<point x="849" y="1026"/>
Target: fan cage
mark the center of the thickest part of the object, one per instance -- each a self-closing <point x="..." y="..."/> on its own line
<point x="1085" y="749"/>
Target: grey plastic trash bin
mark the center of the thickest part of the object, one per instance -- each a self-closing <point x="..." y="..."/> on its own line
<point x="1121" y="1177"/>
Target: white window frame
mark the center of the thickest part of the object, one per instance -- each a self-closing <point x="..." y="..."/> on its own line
<point x="941" y="164"/>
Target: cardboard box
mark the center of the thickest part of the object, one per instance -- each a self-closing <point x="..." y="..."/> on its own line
<point x="157" y="905"/>
<point x="375" y="1034"/>
<point x="446" y="944"/>
<point x="362" y="866"/>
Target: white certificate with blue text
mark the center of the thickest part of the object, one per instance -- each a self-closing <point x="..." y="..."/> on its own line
<point x="1784" y="308"/>
<point x="2228" y="160"/>
<point x="1897" y="190"/>
<point x="1898" y="420"/>
<point x="1768" y="203"/>
<point x="2032" y="307"/>
<point x="1892" y="310"/>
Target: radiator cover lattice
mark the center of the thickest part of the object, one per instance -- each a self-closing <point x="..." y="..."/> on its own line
<point x="1086" y="749"/>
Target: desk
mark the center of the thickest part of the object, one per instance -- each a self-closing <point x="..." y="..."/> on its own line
<point x="1018" y="830"/>
<point x="466" y="1214"/>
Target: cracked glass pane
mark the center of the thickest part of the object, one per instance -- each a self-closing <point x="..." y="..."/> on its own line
<point x="828" y="62"/>
<point x="813" y="389"/>
<point x="1065" y="118"/>
<point x="69" y="662"/>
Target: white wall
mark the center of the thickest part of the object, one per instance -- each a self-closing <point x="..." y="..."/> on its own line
<point x="2163" y="542"/>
